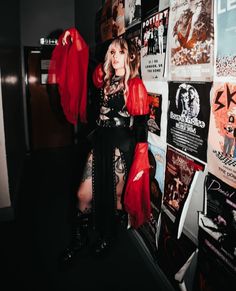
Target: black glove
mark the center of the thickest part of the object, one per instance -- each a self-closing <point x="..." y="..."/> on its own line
<point x="140" y="128"/>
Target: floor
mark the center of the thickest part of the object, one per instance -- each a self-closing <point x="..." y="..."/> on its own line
<point x="31" y="244"/>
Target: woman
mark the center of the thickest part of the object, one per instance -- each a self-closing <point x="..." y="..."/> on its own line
<point x="118" y="148"/>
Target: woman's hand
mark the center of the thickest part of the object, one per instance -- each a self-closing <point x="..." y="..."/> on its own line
<point x="66" y="35"/>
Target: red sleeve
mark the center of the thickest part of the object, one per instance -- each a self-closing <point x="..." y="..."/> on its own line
<point x="137" y="192"/>
<point x="137" y="100"/>
<point x="98" y="75"/>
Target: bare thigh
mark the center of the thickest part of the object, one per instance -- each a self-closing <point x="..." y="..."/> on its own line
<point x="84" y="193"/>
<point x="120" y="177"/>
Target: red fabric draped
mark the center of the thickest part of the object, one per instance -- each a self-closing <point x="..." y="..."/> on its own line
<point x="68" y="68"/>
<point x="137" y="100"/>
<point x="98" y="75"/>
<point x="137" y="192"/>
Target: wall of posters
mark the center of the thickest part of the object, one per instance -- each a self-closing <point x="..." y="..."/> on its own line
<point x="185" y="48"/>
<point x="188" y="117"/>
<point x="221" y="142"/>
<point x="190" y="40"/>
<point x="225" y="23"/>
<point x="154" y="41"/>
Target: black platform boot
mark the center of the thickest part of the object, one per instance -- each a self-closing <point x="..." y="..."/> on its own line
<point x="79" y="237"/>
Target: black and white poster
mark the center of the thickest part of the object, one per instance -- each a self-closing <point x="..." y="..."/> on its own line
<point x="219" y="220"/>
<point x="154" y="42"/>
<point x="132" y="13"/>
<point x="188" y="117"/>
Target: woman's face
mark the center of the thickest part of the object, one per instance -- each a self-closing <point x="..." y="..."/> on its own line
<point x="118" y="59"/>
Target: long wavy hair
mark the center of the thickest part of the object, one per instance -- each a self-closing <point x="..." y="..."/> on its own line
<point x="109" y="70"/>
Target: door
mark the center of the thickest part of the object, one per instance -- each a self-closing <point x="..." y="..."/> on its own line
<point x="48" y="127"/>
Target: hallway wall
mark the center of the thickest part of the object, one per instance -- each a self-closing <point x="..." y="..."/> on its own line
<point x="11" y="130"/>
<point x="39" y="18"/>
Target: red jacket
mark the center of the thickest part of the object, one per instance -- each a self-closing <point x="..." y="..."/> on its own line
<point x="68" y="68"/>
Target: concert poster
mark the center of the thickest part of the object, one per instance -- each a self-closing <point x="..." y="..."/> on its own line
<point x="181" y="173"/>
<point x="218" y="248"/>
<point x="158" y="157"/>
<point x="191" y="40"/>
<point x="154" y="41"/>
<point x="106" y="21"/>
<point x="133" y="35"/>
<point x="221" y="154"/>
<point x="225" y="24"/>
<point x="154" y="120"/>
<point x="188" y="117"/>
<point x="118" y="18"/>
<point x="133" y="11"/>
<point x="219" y="221"/>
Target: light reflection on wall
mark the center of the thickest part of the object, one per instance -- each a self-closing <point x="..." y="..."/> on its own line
<point x="10" y="80"/>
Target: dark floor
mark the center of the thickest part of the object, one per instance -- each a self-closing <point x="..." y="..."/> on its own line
<point x="31" y="245"/>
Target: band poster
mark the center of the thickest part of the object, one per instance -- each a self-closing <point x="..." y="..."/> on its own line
<point x="160" y="89"/>
<point x="118" y="17"/>
<point x="158" y="163"/>
<point x="154" y="41"/>
<point x="221" y="153"/>
<point x="154" y="119"/>
<point x="150" y="230"/>
<point x="180" y="177"/>
<point x="188" y="117"/>
<point x="225" y="68"/>
<point x="134" y="35"/>
<point x="132" y="13"/>
<point x="221" y="215"/>
<point x="190" y="40"/>
<point x="106" y="21"/>
<point x="217" y="245"/>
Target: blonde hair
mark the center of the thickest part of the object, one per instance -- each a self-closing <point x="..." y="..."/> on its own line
<point x="109" y="70"/>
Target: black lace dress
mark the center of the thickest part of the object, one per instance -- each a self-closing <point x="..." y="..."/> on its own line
<point x="114" y="130"/>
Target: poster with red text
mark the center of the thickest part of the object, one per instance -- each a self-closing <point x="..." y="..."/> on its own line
<point x="221" y="153"/>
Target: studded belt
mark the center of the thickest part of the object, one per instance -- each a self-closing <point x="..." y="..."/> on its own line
<point x="115" y="122"/>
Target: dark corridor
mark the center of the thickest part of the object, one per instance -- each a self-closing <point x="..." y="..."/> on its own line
<point x="31" y="245"/>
